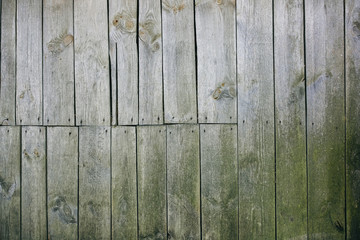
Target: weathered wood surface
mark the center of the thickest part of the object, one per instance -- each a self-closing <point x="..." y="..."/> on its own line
<point x="58" y="60"/>
<point x="62" y="182"/>
<point x="94" y="183"/>
<point x="92" y="83"/>
<point x="183" y="181"/>
<point x="255" y="120"/>
<point x="29" y="93"/>
<point x="216" y="53"/>
<point x="10" y="182"/>
<point x="219" y="181"/>
<point x="33" y="183"/>
<point x="150" y="63"/>
<point x="151" y="169"/>
<point x="291" y="202"/>
<point x="179" y="69"/>
<point x="124" y="185"/>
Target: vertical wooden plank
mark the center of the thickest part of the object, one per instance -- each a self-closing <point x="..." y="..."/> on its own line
<point x="183" y="182"/>
<point x="8" y="62"/>
<point x="124" y="59"/>
<point x="179" y="61"/>
<point x="62" y="182"/>
<point x="352" y="29"/>
<point x="10" y="182"/>
<point x="219" y="185"/>
<point x="33" y="183"/>
<point x="326" y="125"/>
<point x="216" y="51"/>
<point x="291" y="188"/>
<point x="92" y="83"/>
<point x="29" y="63"/>
<point x="255" y="120"/>
<point x="124" y="195"/>
<point x="151" y="165"/>
<point x="58" y="62"/>
<point x="94" y="183"/>
<point x="150" y="63"/>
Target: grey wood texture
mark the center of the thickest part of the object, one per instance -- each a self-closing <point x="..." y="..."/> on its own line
<point x="33" y="183"/>
<point x="151" y="169"/>
<point x="179" y="69"/>
<point x="124" y="185"/>
<point x="92" y="82"/>
<point x="255" y="120"/>
<point x="219" y="181"/>
<point x="183" y="181"/>
<point x="62" y="182"/>
<point x="10" y="182"/>
<point x="58" y="62"/>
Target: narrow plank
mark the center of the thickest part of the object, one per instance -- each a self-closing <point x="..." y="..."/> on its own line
<point x="94" y="183"/>
<point x="150" y="63"/>
<point x="325" y="117"/>
<point x="10" y="182"/>
<point x="8" y="63"/>
<point x="33" y="183"/>
<point x="92" y="83"/>
<point x="124" y="59"/>
<point x="124" y="195"/>
<point x="58" y="62"/>
<point x="151" y="165"/>
<point x="179" y="61"/>
<point x="29" y="63"/>
<point x="255" y="120"/>
<point x="216" y="52"/>
<point x="352" y="28"/>
<point x="183" y="182"/>
<point x="291" y="188"/>
<point x="219" y="185"/>
<point x="62" y="182"/>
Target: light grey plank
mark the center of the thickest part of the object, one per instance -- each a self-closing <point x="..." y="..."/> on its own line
<point x="183" y="181"/>
<point x="179" y="61"/>
<point x="92" y="83"/>
<point x="10" y="182"/>
<point x="94" y="183"/>
<point x="255" y="120"/>
<point x="29" y="63"/>
<point x="150" y="63"/>
<point x="62" y="182"/>
<point x="216" y="52"/>
<point x="124" y="191"/>
<point x="151" y="165"/>
<point x="58" y="62"/>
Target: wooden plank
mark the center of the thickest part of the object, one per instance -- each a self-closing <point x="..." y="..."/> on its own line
<point x="151" y="165"/>
<point x="179" y="61"/>
<point x="10" y="182"/>
<point x="92" y="83"/>
<point x="58" y="63"/>
<point x="255" y="120"/>
<point x="33" y="183"/>
<point x="352" y="29"/>
<point x="8" y="63"/>
<point x="325" y="117"/>
<point x="291" y="188"/>
<point x="216" y="54"/>
<point x="124" y="59"/>
<point x="219" y="184"/>
<point x="62" y="182"/>
<point x="183" y="182"/>
<point x="94" y="183"/>
<point x="150" y="63"/>
<point x="29" y="63"/>
<point x="124" y="195"/>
